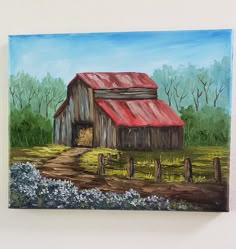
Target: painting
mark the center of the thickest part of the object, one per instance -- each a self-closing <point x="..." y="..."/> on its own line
<point x="120" y="120"/>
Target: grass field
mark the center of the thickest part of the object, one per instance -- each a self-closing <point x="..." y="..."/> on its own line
<point x="37" y="155"/>
<point x="172" y="163"/>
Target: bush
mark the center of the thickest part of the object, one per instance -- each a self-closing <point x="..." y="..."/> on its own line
<point x="29" y="190"/>
<point x="207" y="127"/>
<point x="29" y="129"/>
<point x="24" y="182"/>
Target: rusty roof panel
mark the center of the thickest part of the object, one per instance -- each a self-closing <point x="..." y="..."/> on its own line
<point x="147" y="112"/>
<point x="108" y="80"/>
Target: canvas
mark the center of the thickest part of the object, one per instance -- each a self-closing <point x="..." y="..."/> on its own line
<point x="121" y="120"/>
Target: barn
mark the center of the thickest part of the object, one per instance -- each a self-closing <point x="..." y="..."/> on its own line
<point x="116" y="110"/>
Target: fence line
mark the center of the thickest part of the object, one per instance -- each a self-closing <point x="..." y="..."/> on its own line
<point x="105" y="161"/>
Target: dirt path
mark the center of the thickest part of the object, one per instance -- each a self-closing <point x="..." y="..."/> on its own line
<point x="66" y="166"/>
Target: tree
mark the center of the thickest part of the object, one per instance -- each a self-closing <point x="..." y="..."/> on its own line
<point x="22" y="89"/>
<point x="16" y="91"/>
<point x="39" y="97"/>
<point x="217" y="94"/>
<point x="12" y="90"/>
<point x="190" y="85"/>
<point x="196" y="93"/>
<point x="167" y="77"/>
<point x="220" y="71"/>
<point x="54" y="93"/>
<point x="206" y="82"/>
<point x="42" y="96"/>
<point x="190" y="74"/>
<point x="179" y="96"/>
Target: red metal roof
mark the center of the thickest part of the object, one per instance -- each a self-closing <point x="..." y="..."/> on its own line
<point x="147" y="112"/>
<point x="108" y="80"/>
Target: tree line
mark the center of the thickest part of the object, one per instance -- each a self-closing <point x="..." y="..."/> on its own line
<point x="41" y="96"/>
<point x="197" y="86"/>
<point x="32" y="105"/>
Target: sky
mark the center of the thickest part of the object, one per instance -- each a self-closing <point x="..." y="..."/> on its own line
<point x="63" y="55"/>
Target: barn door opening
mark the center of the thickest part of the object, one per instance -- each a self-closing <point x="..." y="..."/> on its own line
<point x="83" y="136"/>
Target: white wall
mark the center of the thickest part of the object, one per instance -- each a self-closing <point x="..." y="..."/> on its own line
<point x="110" y="229"/>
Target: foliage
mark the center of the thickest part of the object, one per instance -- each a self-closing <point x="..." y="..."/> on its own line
<point x="197" y="86"/>
<point x="42" y="96"/>
<point x="210" y="126"/>
<point x="32" y="104"/>
<point x="172" y="163"/>
<point x="29" y="129"/>
<point x="29" y="190"/>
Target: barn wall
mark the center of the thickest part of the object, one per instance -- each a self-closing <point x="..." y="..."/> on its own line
<point x="68" y="138"/>
<point x="91" y="104"/>
<point x="129" y="93"/>
<point x="63" y="128"/>
<point x="73" y="97"/>
<point x="84" y="110"/>
<point x="71" y="109"/>
<point x="104" y="132"/>
<point x="150" y="138"/>
<point x="81" y="102"/>
<point x="131" y="138"/>
<point x="78" y="111"/>
<point x="56" y="130"/>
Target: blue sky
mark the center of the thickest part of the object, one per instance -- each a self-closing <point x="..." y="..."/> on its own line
<point x="63" y="55"/>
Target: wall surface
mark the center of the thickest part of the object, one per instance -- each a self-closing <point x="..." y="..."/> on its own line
<point x="110" y="229"/>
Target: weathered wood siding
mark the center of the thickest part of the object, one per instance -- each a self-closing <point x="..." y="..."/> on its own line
<point x="129" y="93"/>
<point x="150" y="138"/>
<point x="56" y="130"/>
<point x="81" y="102"/>
<point x="68" y="139"/>
<point x="79" y="110"/>
<point x="71" y="109"/>
<point x="63" y="128"/>
<point x="105" y="132"/>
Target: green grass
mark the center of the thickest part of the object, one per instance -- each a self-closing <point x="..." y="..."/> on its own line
<point x="172" y="163"/>
<point x="37" y="154"/>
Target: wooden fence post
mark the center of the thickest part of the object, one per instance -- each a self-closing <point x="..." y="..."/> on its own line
<point x="217" y="169"/>
<point x="101" y="164"/>
<point x="118" y="156"/>
<point x="109" y="156"/>
<point x="188" y="170"/>
<point x="157" y="170"/>
<point x="130" y="167"/>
